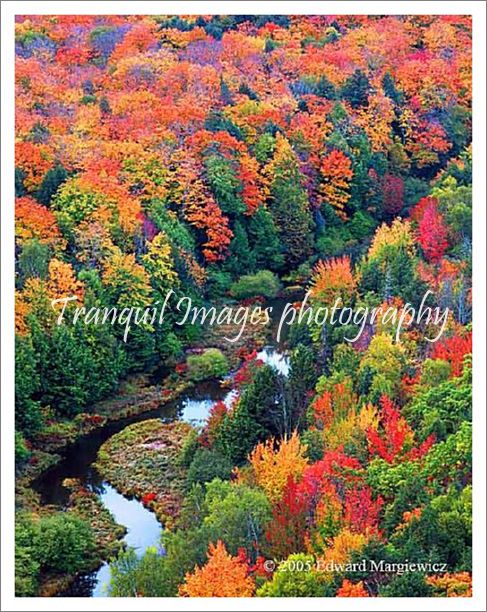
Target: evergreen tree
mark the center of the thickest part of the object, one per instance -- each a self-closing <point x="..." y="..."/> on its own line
<point x="241" y="259"/>
<point x="290" y="205"/>
<point x="265" y="241"/>
<point x="50" y="184"/>
<point x="356" y="89"/>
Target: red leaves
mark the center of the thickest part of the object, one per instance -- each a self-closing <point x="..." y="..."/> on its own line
<point x="361" y="511"/>
<point x="180" y="368"/>
<point x="394" y="440"/>
<point x="432" y="233"/>
<point x="217" y="413"/>
<point x="395" y="430"/>
<point x="453" y="350"/>
<point x="393" y="189"/>
<point x="287" y="529"/>
<point x="148" y="497"/>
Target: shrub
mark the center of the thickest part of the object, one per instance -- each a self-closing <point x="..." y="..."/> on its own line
<point x="21" y="450"/>
<point x="411" y="584"/>
<point x="210" y="364"/>
<point x="263" y="283"/>
<point x="64" y="542"/>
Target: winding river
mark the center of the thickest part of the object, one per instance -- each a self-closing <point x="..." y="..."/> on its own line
<point x="143" y="529"/>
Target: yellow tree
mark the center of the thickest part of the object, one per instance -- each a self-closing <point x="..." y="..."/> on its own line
<point x="336" y="170"/>
<point x="273" y="464"/>
<point x="332" y="279"/>
<point x="159" y="262"/>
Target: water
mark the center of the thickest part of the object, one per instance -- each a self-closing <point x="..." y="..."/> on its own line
<point x="143" y="529"/>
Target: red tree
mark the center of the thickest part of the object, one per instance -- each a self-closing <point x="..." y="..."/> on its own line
<point x="432" y="233"/>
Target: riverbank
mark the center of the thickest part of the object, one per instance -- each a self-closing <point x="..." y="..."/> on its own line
<point x="142" y="462"/>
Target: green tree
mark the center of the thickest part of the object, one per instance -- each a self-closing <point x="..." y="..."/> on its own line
<point x="51" y="182"/>
<point x="64" y="543"/>
<point x="295" y="578"/>
<point x="224" y="184"/>
<point x="241" y="258"/>
<point x="28" y="417"/>
<point x="356" y="89"/>
<point x="264" y="240"/>
<point x="289" y="204"/>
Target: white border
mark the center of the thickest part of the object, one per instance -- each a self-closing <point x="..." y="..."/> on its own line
<point x="367" y="7"/>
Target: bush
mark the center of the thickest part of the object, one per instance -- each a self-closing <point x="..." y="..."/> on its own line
<point x="27" y="567"/>
<point x="64" y="543"/>
<point x="208" y="464"/>
<point x="210" y="364"/>
<point x="21" y="450"/>
<point x="411" y="584"/>
<point x="189" y="448"/>
<point x="263" y="283"/>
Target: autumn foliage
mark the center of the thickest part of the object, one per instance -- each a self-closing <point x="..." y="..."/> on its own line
<point x="222" y="576"/>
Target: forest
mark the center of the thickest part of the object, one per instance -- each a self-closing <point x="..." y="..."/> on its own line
<point x="243" y="160"/>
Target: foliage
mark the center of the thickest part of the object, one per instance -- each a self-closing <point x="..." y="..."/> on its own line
<point x="263" y="283"/>
<point x="222" y="576"/>
<point x="210" y="364"/>
<point x="294" y="578"/>
<point x="273" y="466"/>
<point x="220" y="158"/>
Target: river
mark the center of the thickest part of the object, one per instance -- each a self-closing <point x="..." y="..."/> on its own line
<point x="143" y="529"/>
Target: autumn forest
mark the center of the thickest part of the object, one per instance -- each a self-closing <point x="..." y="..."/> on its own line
<point x="243" y="161"/>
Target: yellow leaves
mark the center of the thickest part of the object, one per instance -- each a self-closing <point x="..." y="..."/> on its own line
<point x="452" y="585"/>
<point x="333" y="279"/>
<point x="342" y="546"/>
<point x="87" y="120"/>
<point x="273" y="466"/>
<point x="127" y="279"/>
<point x="376" y="120"/>
<point x="62" y="281"/>
<point x="397" y="235"/>
<point x="368" y="417"/>
<point x="158" y="260"/>
<point x="222" y="576"/>
<point x="336" y="170"/>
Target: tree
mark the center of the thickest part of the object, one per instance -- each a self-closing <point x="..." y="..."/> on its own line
<point x="349" y="589"/>
<point x="432" y="234"/>
<point x="274" y="462"/>
<point x="264" y="240"/>
<point x="241" y="258"/>
<point x="393" y="189"/>
<point x="333" y="279"/>
<point x="294" y="577"/>
<point x="356" y="89"/>
<point x="64" y="542"/>
<point x="222" y="576"/>
<point x="225" y="185"/>
<point x="289" y="203"/>
<point x="160" y="264"/>
<point x="33" y="221"/>
<point x="51" y="182"/>
<point x="336" y="170"/>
